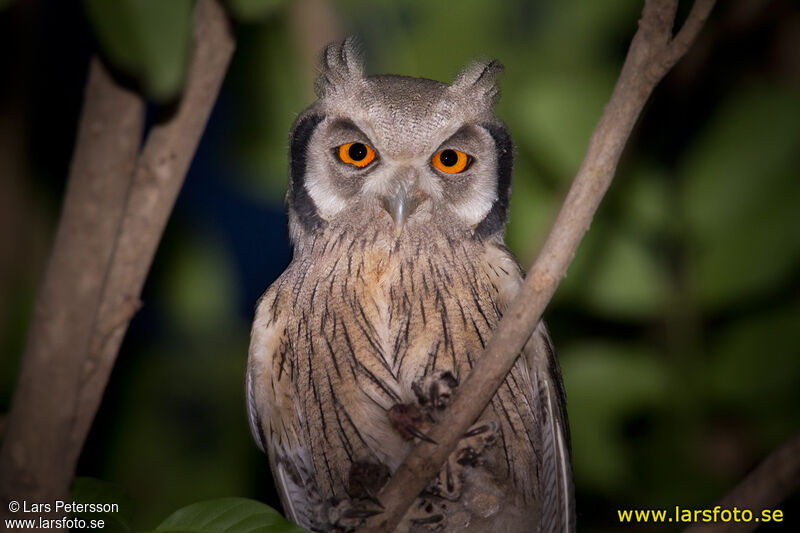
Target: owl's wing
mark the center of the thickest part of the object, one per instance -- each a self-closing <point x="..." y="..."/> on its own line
<point x="272" y="411"/>
<point x="552" y="428"/>
<point x="551" y="432"/>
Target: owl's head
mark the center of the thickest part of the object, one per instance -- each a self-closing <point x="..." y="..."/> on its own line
<point x="420" y="151"/>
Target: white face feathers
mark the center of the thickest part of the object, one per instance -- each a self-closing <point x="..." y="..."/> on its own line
<point x="421" y="151"/>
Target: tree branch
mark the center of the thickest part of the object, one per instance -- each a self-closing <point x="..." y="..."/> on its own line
<point x="651" y="55"/>
<point x="32" y="465"/>
<point x="764" y="488"/>
<point x="161" y="169"/>
<point x="114" y="214"/>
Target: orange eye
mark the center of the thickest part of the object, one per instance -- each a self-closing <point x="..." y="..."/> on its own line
<point x="451" y="161"/>
<point x="356" y="154"/>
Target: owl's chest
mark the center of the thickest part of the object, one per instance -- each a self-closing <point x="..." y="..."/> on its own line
<point x="364" y="328"/>
<point x="374" y="321"/>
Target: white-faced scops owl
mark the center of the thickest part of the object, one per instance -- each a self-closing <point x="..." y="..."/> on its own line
<point x="398" y="198"/>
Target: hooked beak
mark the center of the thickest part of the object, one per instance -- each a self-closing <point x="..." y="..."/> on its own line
<point x="401" y="205"/>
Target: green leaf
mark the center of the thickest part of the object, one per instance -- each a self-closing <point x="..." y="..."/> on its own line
<point x="228" y="515"/>
<point x="90" y="490"/>
<point x="146" y="39"/>
<point x="253" y="10"/>
<point x="741" y="197"/>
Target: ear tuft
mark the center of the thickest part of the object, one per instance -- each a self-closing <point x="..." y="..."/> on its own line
<point x="341" y="66"/>
<point x="479" y="80"/>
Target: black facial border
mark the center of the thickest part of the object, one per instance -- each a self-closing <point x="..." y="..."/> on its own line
<point x="299" y="199"/>
<point x="495" y="221"/>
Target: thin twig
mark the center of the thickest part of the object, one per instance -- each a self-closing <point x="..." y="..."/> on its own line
<point x="104" y="247"/>
<point x="775" y="478"/>
<point x="650" y="56"/>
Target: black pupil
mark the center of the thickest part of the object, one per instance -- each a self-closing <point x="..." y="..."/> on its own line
<point x="357" y="151"/>
<point x="448" y="158"/>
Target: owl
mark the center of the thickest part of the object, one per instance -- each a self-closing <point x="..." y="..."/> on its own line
<point x="398" y="198"/>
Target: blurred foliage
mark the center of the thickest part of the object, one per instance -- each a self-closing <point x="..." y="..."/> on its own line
<point x="146" y="39"/>
<point x="222" y="515"/>
<point x="676" y="325"/>
<point x="227" y="515"/>
<point x="253" y="10"/>
<point x="740" y="186"/>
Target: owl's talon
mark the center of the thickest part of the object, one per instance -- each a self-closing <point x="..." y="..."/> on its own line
<point x="467" y="457"/>
<point x="427" y="515"/>
<point x="348" y="515"/>
<point x="483" y="428"/>
<point x="405" y="419"/>
<point x="420" y="435"/>
<point x="447" y="484"/>
<point x="451" y="482"/>
<point x="475" y="440"/>
<point x="436" y="390"/>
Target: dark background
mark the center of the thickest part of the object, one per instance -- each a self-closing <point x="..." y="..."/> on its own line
<point x="678" y="325"/>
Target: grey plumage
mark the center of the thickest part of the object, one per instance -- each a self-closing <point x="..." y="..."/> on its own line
<point x="398" y="278"/>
